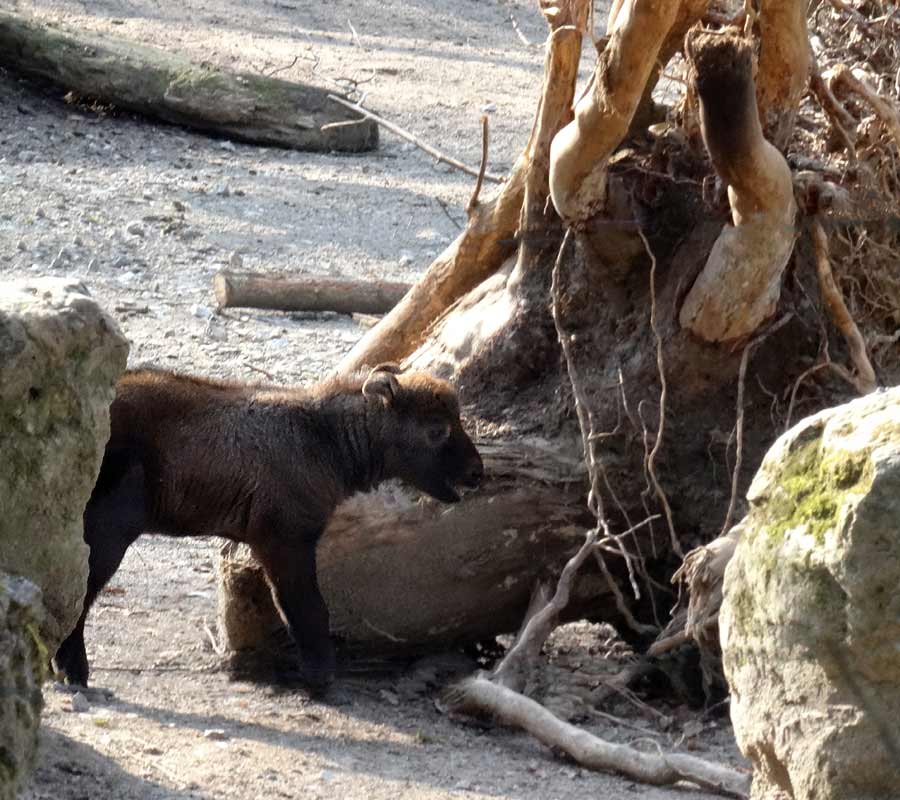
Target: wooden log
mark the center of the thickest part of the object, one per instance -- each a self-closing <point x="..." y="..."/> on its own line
<point x="249" y="290"/>
<point x="242" y="106"/>
<point x="402" y="575"/>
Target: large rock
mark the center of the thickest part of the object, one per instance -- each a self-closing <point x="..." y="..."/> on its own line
<point x="60" y="356"/>
<point x="22" y="660"/>
<point x="811" y="620"/>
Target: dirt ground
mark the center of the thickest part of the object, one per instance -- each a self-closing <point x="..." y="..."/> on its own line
<point x="145" y="214"/>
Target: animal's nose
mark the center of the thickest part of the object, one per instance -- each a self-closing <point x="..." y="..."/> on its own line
<point x="475" y="474"/>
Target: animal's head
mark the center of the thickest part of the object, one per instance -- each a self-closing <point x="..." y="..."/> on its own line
<point x="425" y="444"/>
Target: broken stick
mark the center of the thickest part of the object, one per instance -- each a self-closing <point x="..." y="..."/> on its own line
<point x="250" y="290"/>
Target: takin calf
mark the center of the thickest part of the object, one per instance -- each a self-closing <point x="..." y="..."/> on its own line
<point x="265" y="466"/>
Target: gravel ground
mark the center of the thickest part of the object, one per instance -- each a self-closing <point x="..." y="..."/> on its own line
<point x="145" y="214"/>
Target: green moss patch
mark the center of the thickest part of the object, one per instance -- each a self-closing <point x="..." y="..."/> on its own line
<point x="811" y="490"/>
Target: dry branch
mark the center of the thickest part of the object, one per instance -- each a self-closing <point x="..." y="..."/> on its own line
<point x="479" y="695"/>
<point x="741" y="281"/>
<point x="243" y="106"/>
<point x="581" y="150"/>
<point x="864" y="380"/>
<point x="405" y="134"/>
<point x="249" y="290"/>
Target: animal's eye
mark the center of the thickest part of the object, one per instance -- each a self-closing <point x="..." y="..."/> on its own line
<point x="437" y="432"/>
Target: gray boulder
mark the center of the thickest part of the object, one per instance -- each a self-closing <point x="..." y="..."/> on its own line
<point x="60" y="356"/>
<point x="810" y="623"/>
<point x="22" y="660"/>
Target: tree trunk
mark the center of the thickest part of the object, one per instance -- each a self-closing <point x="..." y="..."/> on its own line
<point x="243" y="106"/>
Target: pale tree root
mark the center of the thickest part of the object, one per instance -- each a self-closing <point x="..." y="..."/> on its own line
<point x="580" y="152"/>
<point x="740" y="284"/>
<point x="784" y="62"/>
<point x="477" y="695"/>
<point x="486" y="317"/>
<point x="855" y="81"/>
<point x="490" y="236"/>
<point x="864" y="378"/>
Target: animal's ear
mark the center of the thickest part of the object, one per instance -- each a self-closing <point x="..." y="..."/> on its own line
<point x="382" y="383"/>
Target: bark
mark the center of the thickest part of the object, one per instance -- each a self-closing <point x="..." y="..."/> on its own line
<point x="243" y="106"/>
<point x="245" y="289"/>
<point x="401" y="574"/>
<point x="741" y="282"/>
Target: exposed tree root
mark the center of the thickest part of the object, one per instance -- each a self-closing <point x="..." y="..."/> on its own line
<point x="887" y="112"/>
<point x="864" y="379"/>
<point x="477" y="695"/>
<point x="740" y="285"/>
<point x="784" y="58"/>
<point x="581" y="150"/>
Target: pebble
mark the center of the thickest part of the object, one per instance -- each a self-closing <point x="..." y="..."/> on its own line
<point x="135" y="228"/>
<point x="229" y="146"/>
<point x="201" y="311"/>
<point x="235" y="260"/>
<point x="215" y="734"/>
<point x="405" y="260"/>
<point x="224" y="190"/>
<point x="80" y="703"/>
<point x="20" y="245"/>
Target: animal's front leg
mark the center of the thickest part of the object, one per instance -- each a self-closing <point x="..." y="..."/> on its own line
<point x="291" y="571"/>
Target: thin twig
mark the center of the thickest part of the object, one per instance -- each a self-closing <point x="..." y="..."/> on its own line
<point x="446" y="211"/>
<point x="404" y="134"/>
<point x="359" y="44"/>
<point x="739" y="452"/>
<point x="260" y="370"/>
<point x="473" y="200"/>
<point x="651" y="459"/>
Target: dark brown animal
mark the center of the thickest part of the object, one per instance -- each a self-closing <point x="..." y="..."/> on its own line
<point x="266" y="466"/>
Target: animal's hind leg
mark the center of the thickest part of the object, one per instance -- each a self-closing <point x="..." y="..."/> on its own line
<point x="113" y="519"/>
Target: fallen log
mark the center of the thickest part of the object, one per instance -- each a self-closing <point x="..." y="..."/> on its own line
<point x="242" y="106"/>
<point x="403" y="574"/>
<point x="249" y="290"/>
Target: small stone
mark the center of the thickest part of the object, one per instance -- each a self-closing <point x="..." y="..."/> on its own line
<point x="405" y="259"/>
<point x="39" y="212"/>
<point x="235" y="260"/>
<point x="153" y="751"/>
<point x="135" y="228"/>
<point x="223" y="190"/>
<point x="178" y="205"/>
<point x="201" y="311"/>
<point x="215" y="734"/>
<point x="20" y="245"/>
<point x="80" y="703"/>
<point x="146" y="195"/>
<point x="217" y="333"/>
<point x="488" y="108"/>
<point x="229" y="146"/>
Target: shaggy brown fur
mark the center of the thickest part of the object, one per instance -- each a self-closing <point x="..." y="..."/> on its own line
<point x="266" y="466"/>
